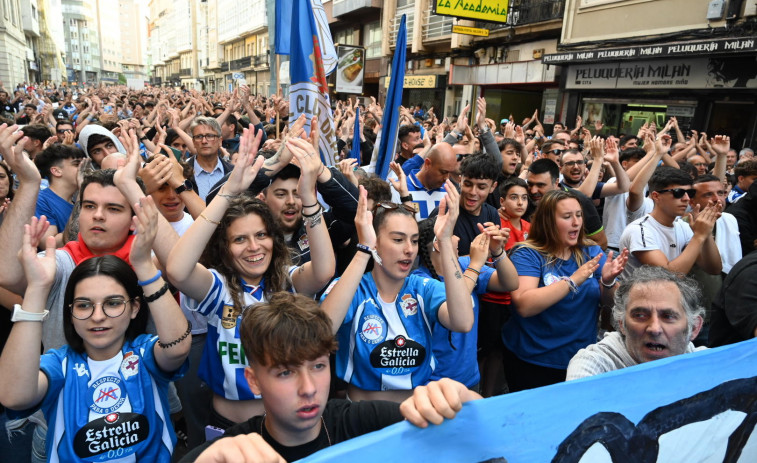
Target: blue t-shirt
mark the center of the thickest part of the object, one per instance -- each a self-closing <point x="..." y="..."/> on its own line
<point x="456" y="353"/>
<point x="111" y="409"/>
<point x="56" y="209"/>
<point x="387" y="346"/>
<point x="552" y="337"/>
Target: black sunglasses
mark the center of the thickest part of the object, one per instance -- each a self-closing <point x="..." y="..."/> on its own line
<point x="391" y="206"/>
<point x="679" y="192"/>
<point x="460" y="157"/>
<point x="555" y="152"/>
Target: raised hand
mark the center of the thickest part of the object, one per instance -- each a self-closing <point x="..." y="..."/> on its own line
<point x="479" y="251"/>
<point x="39" y="271"/>
<point x="614" y="267"/>
<point x="585" y="271"/>
<point x="11" y="148"/>
<point x="245" y="170"/>
<point x="498" y="236"/>
<point x="145" y="221"/>
<point x="400" y="183"/>
<point x="364" y="221"/>
<point x="347" y="168"/>
<point x="481" y="113"/>
<point x="449" y="209"/>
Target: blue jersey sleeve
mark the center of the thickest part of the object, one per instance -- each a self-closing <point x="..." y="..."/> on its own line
<point x="146" y="344"/>
<point x="527" y="262"/>
<point x="434" y="295"/>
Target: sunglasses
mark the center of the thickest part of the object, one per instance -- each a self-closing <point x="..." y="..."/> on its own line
<point x="460" y="157"/>
<point x="555" y="152"/>
<point x="392" y="206"/>
<point x="679" y="192"/>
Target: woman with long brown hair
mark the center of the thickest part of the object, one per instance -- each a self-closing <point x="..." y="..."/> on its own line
<point x="563" y="278"/>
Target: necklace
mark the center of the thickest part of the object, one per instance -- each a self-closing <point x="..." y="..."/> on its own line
<point x="323" y="423"/>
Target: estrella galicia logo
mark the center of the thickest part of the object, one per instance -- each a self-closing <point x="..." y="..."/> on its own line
<point x="398" y="356"/>
<point x="107" y="395"/>
<point x="115" y="435"/>
<point x="373" y="329"/>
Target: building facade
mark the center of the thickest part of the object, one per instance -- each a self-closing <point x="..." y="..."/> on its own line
<point x="82" y="39"/>
<point x="622" y="65"/>
<point x="13" y="49"/>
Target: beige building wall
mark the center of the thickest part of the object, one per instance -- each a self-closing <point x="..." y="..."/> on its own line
<point x="110" y="36"/>
<point x="133" y="37"/>
<point x="592" y="20"/>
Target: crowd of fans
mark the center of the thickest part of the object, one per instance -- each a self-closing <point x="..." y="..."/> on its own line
<point x="202" y="287"/>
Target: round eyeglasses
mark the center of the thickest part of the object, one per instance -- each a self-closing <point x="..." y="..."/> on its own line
<point x="114" y="307"/>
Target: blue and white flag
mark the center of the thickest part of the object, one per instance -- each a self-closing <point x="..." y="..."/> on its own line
<point x="355" y="152"/>
<point x="309" y="92"/>
<point x="283" y="33"/>
<point x="391" y="119"/>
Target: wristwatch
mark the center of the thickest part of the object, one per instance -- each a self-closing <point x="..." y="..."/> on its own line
<point x="186" y="186"/>
<point x="458" y="135"/>
<point x="485" y="128"/>
<point x="21" y="315"/>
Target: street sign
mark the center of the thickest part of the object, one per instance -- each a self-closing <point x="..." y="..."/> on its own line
<point x="470" y="31"/>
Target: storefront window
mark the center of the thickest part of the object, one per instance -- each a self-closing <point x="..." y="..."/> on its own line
<point x="625" y="117"/>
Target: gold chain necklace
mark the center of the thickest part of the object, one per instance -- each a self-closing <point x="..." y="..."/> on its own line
<point x="323" y="423"/>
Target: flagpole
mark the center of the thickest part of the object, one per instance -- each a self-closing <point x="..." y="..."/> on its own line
<point x="278" y="67"/>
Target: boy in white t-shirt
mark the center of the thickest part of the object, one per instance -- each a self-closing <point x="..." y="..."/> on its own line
<point x="660" y="239"/>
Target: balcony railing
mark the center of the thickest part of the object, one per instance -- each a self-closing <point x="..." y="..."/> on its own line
<point x="528" y="12"/>
<point x="409" y="11"/>
<point x="241" y="63"/>
<point x="261" y="60"/>
<point x="435" y="26"/>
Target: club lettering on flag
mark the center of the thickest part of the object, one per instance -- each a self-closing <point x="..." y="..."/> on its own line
<point x="309" y="93"/>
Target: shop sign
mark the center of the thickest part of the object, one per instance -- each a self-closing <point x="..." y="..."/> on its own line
<point x="699" y="47"/>
<point x="680" y="111"/>
<point x="700" y="73"/>
<point x="482" y="10"/>
<point x="415" y="81"/>
<point x="470" y="31"/>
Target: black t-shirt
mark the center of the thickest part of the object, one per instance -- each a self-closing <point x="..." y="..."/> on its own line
<point x="343" y="420"/>
<point x="466" y="228"/>
<point x="734" y="312"/>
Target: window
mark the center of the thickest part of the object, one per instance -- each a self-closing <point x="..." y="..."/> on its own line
<point x="345" y="37"/>
<point x="372" y="40"/>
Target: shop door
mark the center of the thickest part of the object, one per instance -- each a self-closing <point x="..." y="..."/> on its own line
<point x="734" y="119"/>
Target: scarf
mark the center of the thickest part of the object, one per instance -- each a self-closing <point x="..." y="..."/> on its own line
<point x="79" y="251"/>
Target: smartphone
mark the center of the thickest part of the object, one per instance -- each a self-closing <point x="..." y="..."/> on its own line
<point x="176" y="153"/>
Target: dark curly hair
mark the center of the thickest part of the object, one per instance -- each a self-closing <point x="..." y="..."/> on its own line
<point x="216" y="253"/>
<point x="425" y="244"/>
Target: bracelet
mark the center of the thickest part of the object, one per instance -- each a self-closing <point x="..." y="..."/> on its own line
<point x="208" y="220"/>
<point x="151" y="280"/>
<point x="315" y="219"/>
<point x="473" y="270"/>
<point x="404" y="199"/>
<point x="474" y="280"/>
<point x="499" y="258"/>
<point x="371" y="251"/>
<point x="611" y="285"/>
<point x="179" y="339"/>
<point x="311" y="205"/>
<point x="498" y="255"/>
<point x="571" y="284"/>
<point x="323" y="166"/>
<point x="318" y="211"/>
<point x="154" y="296"/>
<point x="228" y="196"/>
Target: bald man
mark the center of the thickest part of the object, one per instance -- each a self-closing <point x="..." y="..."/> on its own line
<point x="426" y="185"/>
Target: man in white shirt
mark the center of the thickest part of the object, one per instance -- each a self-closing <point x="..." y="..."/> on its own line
<point x="661" y="239"/>
<point x="657" y="314"/>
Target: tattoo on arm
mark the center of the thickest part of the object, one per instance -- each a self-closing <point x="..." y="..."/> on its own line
<point x="458" y="274"/>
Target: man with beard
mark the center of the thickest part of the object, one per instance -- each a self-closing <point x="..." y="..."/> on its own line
<point x="285" y="203"/>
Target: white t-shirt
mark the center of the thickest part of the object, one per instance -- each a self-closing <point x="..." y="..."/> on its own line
<point x="616" y="216"/>
<point x="647" y="234"/>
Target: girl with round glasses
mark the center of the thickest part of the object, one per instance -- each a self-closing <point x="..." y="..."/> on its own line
<point x="104" y="393"/>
